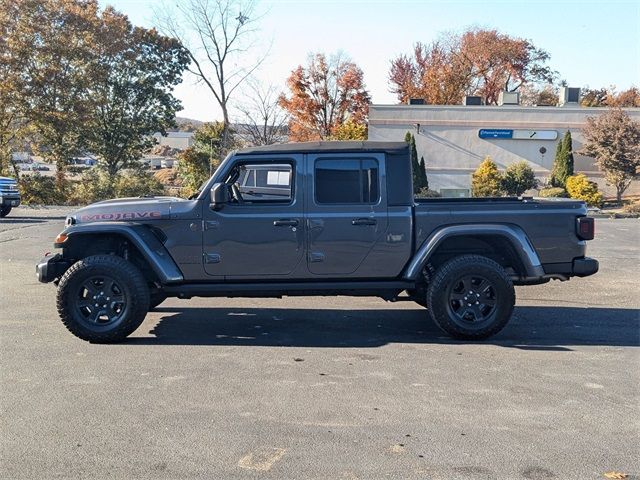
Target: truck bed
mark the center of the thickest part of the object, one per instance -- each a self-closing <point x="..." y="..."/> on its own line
<point x="547" y="222"/>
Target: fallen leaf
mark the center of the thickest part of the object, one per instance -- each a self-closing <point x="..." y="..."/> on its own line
<point x="616" y="475"/>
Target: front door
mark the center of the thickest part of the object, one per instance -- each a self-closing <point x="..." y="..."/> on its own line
<point x="259" y="233"/>
<point x="346" y="213"/>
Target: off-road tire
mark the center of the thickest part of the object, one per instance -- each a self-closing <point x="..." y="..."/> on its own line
<point x="130" y="283"/>
<point x="4" y="211"/>
<point x="156" y="298"/>
<point x="446" y="304"/>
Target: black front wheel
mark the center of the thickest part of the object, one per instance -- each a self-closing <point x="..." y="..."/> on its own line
<point x="102" y="298"/>
<point x="156" y="298"/>
<point x="471" y="297"/>
<point x="5" y="210"/>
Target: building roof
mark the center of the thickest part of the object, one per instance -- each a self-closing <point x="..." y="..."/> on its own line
<point x="175" y="134"/>
<point x="325" y="147"/>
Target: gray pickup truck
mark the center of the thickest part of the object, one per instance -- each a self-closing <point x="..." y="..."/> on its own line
<point x="320" y="218"/>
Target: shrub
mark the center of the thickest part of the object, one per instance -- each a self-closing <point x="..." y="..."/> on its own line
<point x="486" y="181"/>
<point x="518" y="178"/>
<point x="581" y="188"/>
<point x="96" y="185"/>
<point x="137" y="183"/>
<point x="168" y="176"/>
<point x="426" y="193"/>
<point x="553" y="192"/>
<point x="633" y="207"/>
<point x="37" y="189"/>
<point x="193" y="169"/>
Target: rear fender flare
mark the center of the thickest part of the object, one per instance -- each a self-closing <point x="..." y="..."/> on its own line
<point x="513" y="233"/>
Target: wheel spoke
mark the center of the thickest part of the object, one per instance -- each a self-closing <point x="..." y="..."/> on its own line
<point x="489" y="302"/>
<point x="117" y="298"/>
<point x="484" y="284"/>
<point x="466" y="283"/>
<point x="94" y="315"/>
<point x="477" y="313"/>
<point x="85" y="303"/>
<point x="457" y="296"/>
<point x="107" y="287"/>
<point x="111" y="311"/>
<point x="90" y="288"/>
<point x="465" y="312"/>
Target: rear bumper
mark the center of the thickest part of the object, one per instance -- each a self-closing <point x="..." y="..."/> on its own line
<point x="51" y="267"/>
<point x="583" y="267"/>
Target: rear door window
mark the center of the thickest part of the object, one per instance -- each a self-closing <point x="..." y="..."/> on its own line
<point x="347" y="181"/>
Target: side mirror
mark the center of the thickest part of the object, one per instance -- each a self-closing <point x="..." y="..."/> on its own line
<point x="219" y="195"/>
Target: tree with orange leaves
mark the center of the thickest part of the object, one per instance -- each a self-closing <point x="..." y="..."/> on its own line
<point x="323" y="96"/>
<point x="478" y="62"/>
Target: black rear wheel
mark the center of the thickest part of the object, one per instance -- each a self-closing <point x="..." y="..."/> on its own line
<point x="102" y="298"/>
<point x="471" y="297"/>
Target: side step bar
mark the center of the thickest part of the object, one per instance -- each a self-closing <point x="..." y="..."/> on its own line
<point x="384" y="289"/>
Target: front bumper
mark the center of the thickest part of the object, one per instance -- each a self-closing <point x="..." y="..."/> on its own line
<point x="583" y="267"/>
<point x="9" y="200"/>
<point x="51" y="267"/>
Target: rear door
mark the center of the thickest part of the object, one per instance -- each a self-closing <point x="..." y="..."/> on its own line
<point x="346" y="212"/>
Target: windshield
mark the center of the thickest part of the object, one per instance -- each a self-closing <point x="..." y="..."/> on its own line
<point x="204" y="184"/>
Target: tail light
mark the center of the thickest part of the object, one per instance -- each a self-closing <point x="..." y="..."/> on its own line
<point x="585" y="228"/>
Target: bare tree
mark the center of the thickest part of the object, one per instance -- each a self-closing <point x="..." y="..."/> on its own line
<point x="261" y="119"/>
<point x="217" y="34"/>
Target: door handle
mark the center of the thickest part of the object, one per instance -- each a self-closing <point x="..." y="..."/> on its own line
<point x="363" y="221"/>
<point x="285" y="223"/>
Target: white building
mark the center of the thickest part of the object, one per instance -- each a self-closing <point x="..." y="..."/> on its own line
<point x="454" y="139"/>
<point x="179" y="140"/>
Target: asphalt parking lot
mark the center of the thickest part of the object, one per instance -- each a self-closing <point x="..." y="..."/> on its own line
<point x="336" y="388"/>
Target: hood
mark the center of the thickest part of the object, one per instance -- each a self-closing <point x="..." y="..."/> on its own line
<point x="140" y="209"/>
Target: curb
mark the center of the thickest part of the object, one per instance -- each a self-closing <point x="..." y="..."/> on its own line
<point x="613" y="215"/>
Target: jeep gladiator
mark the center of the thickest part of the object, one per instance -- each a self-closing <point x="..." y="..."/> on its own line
<point x="317" y="218"/>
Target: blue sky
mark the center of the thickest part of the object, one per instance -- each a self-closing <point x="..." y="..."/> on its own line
<point x="591" y="43"/>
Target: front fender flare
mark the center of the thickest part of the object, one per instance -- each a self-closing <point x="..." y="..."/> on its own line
<point x="151" y="248"/>
<point x="513" y="233"/>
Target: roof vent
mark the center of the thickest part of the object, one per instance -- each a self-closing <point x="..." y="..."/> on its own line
<point x="508" y="98"/>
<point x="417" y="101"/>
<point x="569" y="96"/>
<point x="472" y="100"/>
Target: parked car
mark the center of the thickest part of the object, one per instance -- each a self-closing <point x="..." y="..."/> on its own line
<point x="341" y="220"/>
<point x="167" y="162"/>
<point x="9" y="195"/>
<point x="39" y="167"/>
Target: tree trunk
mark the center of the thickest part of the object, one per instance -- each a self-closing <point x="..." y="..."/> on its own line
<point x="619" y="191"/>
<point x="60" y="173"/>
<point x="225" y="129"/>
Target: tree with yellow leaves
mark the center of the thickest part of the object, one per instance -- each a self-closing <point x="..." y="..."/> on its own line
<point x="486" y="181"/>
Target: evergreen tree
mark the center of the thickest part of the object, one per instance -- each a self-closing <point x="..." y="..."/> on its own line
<point x="567" y="147"/>
<point x="423" y="174"/>
<point x="518" y="178"/>
<point x="554" y="179"/>
<point x="415" y="166"/>
<point x="486" y="181"/>
<point x="563" y="162"/>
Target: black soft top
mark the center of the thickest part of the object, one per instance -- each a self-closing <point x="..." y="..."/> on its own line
<point x="398" y="172"/>
<point x="326" y="147"/>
